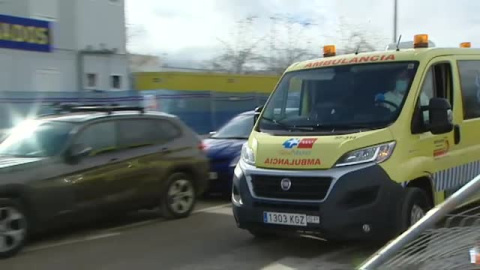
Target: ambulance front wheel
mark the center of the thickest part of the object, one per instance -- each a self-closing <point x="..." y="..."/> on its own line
<point x="415" y="206"/>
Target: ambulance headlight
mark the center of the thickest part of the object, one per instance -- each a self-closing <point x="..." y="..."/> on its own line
<point x="377" y="153"/>
<point x="247" y="155"/>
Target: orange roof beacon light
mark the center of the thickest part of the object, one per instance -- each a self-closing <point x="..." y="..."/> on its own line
<point x="420" y="41"/>
<point x="329" y="50"/>
<point x="465" y="45"/>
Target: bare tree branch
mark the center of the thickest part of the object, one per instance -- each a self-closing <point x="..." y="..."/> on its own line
<point x="240" y="54"/>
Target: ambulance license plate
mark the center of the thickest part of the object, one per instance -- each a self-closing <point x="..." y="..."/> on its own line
<point x="285" y="219"/>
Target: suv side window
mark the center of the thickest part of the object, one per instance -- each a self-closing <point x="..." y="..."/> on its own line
<point x="470" y="83"/>
<point x="141" y="132"/>
<point x="101" y="137"/>
<point x="437" y="83"/>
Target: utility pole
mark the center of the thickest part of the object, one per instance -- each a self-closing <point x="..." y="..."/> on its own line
<point x="395" y="19"/>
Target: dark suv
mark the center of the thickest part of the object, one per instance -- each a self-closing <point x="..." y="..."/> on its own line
<point x="89" y="162"/>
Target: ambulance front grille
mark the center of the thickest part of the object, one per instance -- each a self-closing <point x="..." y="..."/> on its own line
<point x="301" y="188"/>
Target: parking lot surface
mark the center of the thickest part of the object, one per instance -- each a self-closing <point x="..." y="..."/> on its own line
<point x="208" y="239"/>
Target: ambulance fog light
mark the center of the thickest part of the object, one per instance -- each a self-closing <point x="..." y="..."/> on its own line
<point x="236" y="198"/>
<point x="366" y="228"/>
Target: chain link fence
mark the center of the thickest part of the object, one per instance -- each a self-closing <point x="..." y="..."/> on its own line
<point x="448" y="237"/>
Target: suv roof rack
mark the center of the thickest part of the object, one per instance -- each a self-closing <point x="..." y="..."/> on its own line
<point x="69" y="108"/>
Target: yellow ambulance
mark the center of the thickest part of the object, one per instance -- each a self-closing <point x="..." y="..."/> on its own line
<point x="361" y="146"/>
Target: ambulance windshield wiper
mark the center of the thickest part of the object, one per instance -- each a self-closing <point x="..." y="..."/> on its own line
<point x="287" y="127"/>
<point x="361" y="126"/>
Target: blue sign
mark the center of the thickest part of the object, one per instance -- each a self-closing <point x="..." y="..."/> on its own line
<point x="291" y="143"/>
<point x="25" y="34"/>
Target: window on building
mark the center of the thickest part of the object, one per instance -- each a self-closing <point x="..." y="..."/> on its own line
<point x="470" y="80"/>
<point x="45" y="9"/>
<point x="116" y="82"/>
<point x="91" y="80"/>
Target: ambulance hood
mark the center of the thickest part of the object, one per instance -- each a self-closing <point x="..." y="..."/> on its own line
<point x="311" y="152"/>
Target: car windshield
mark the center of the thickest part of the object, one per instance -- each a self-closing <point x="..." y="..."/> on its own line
<point x="237" y="128"/>
<point x="36" y="139"/>
<point x="339" y="99"/>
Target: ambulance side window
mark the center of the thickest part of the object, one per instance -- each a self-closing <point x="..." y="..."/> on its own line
<point x="437" y="83"/>
<point x="470" y="81"/>
<point x="442" y="78"/>
<point x="427" y="93"/>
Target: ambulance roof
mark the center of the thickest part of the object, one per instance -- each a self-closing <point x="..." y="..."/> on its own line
<point x="382" y="56"/>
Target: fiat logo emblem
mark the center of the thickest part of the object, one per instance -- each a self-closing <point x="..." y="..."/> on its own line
<point x="285" y="184"/>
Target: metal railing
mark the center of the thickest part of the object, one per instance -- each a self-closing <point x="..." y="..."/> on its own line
<point x="442" y="239"/>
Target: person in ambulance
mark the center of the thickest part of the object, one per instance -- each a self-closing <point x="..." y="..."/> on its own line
<point x="393" y="99"/>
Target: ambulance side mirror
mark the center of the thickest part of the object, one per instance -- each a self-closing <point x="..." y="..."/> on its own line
<point x="257" y="113"/>
<point x="440" y="116"/>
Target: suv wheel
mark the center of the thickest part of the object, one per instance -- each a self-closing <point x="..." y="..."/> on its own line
<point x="179" y="198"/>
<point x="13" y="228"/>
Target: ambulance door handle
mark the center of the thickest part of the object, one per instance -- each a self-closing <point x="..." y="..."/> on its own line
<point x="456" y="134"/>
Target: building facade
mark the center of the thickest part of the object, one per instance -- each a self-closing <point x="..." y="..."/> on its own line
<point x="63" y="46"/>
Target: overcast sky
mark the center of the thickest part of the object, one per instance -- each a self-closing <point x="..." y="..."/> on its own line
<point x="187" y="31"/>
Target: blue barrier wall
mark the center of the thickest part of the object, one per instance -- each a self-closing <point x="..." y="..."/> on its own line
<point x="203" y="111"/>
<point x="14" y="106"/>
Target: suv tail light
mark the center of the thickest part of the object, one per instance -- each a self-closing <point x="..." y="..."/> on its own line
<point x="201" y="146"/>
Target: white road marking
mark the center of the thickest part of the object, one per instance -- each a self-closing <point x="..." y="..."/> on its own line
<point x="69" y="242"/>
<point x="151" y="221"/>
<point x="115" y="231"/>
<point x="210" y="209"/>
<point x="320" y="262"/>
<point x="313" y="237"/>
<point x="213" y="209"/>
<point x="221" y="211"/>
<point x="327" y="261"/>
<point x="132" y="225"/>
<point x="286" y="263"/>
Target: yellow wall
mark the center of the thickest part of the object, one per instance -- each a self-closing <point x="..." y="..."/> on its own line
<point x="205" y="82"/>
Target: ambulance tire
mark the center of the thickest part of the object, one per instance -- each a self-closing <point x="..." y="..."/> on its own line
<point x="415" y="200"/>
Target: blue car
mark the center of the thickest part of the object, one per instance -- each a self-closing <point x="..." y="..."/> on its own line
<point x="223" y="149"/>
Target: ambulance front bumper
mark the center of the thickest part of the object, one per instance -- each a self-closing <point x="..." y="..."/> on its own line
<point x="351" y="203"/>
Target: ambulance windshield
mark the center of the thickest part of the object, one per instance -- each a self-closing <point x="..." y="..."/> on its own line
<point x="341" y="98"/>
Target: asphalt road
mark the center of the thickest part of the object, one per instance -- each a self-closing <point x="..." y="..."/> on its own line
<point x="208" y="239"/>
